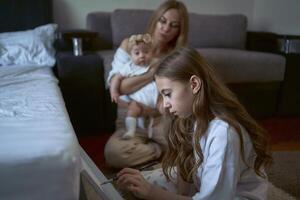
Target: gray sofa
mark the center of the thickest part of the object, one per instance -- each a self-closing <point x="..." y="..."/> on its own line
<point x="256" y="77"/>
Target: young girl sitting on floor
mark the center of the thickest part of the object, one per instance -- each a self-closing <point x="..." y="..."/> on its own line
<point x="215" y="149"/>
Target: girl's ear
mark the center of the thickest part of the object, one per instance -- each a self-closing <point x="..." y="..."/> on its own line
<point x="195" y="83"/>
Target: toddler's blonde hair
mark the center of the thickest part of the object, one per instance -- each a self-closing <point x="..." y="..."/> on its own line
<point x="139" y="38"/>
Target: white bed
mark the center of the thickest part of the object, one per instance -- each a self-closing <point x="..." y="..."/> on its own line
<point x="39" y="154"/>
<point x="39" y="151"/>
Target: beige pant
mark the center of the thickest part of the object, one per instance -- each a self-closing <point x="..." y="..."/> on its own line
<point x="121" y="153"/>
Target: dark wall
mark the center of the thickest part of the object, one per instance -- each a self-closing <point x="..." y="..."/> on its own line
<point x="18" y="15"/>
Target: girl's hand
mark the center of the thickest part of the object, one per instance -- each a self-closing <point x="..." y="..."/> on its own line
<point x="114" y="96"/>
<point x="115" y="87"/>
<point x="132" y="180"/>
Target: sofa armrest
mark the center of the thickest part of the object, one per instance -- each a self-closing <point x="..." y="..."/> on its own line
<point x="263" y="41"/>
<point x="289" y="47"/>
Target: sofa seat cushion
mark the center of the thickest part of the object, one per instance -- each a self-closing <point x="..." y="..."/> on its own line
<point x="236" y="66"/>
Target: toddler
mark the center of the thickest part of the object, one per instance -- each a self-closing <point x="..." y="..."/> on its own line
<point x="140" y="54"/>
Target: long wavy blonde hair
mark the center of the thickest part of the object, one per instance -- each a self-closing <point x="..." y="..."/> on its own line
<point x="181" y="39"/>
<point x="213" y="100"/>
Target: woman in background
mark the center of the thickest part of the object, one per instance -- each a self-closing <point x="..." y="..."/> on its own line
<point x="215" y="148"/>
<point x="168" y="28"/>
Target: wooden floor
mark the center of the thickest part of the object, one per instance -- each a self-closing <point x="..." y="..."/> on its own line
<point x="286" y="146"/>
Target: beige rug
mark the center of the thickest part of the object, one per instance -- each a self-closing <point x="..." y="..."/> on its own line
<point x="285" y="172"/>
<point x="275" y="193"/>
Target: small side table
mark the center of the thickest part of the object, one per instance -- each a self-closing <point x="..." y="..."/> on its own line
<point x="82" y="84"/>
<point x="290" y="102"/>
<point x="64" y="40"/>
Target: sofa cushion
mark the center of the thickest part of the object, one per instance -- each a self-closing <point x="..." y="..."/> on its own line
<point x="225" y="31"/>
<point x="125" y="22"/>
<point x="232" y="29"/>
<point x="236" y="66"/>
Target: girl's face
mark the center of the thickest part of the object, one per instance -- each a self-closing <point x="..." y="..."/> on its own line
<point x="167" y="26"/>
<point x="177" y="96"/>
<point x="141" y="54"/>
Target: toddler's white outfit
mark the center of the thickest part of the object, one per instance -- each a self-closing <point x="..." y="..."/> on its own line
<point x="147" y="95"/>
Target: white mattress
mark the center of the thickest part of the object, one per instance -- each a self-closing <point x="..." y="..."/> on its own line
<point x="39" y="152"/>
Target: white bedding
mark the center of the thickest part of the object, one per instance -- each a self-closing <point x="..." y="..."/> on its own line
<point x="39" y="154"/>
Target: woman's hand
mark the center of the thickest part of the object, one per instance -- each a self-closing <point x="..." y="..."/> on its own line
<point x="132" y="180"/>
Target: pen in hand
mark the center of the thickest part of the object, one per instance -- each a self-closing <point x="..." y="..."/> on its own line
<point x="114" y="178"/>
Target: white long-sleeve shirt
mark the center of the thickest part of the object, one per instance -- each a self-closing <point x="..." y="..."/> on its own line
<point x="223" y="174"/>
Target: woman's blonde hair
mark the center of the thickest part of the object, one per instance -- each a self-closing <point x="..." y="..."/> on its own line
<point x="213" y="100"/>
<point x="181" y="39"/>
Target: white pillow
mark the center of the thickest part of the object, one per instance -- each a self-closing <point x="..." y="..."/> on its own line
<point x="33" y="47"/>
